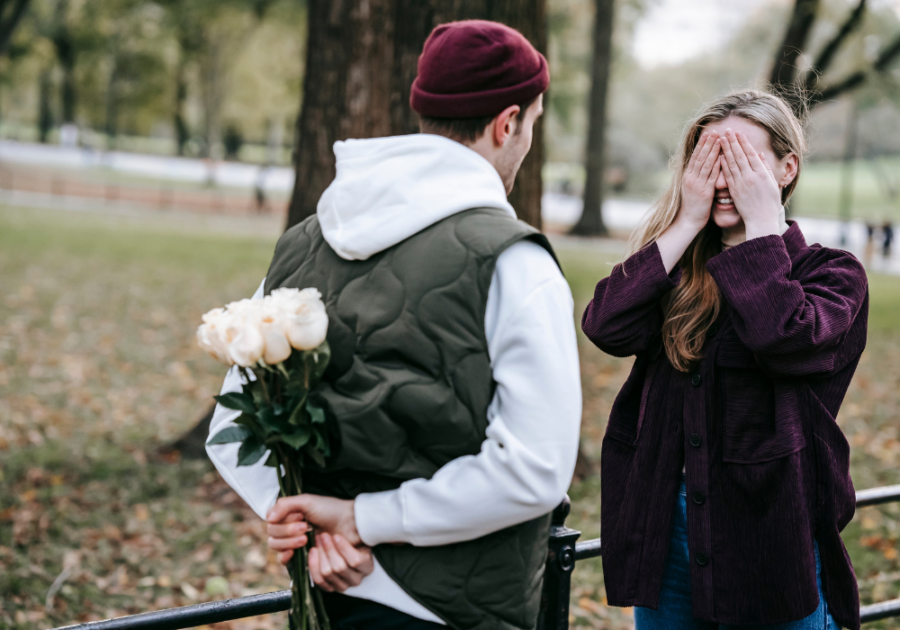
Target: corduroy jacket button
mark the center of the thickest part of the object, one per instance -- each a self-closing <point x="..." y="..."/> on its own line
<point x="699" y="498"/>
<point x="695" y="380"/>
<point x="701" y="559"/>
<point x="696" y="440"/>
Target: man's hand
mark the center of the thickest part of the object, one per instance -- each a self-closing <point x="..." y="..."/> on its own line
<point x="336" y="565"/>
<point x="334" y="516"/>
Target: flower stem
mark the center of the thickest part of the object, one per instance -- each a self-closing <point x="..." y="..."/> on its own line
<point x="307" y="607"/>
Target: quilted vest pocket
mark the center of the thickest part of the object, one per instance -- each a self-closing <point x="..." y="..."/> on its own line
<point x="763" y="418"/>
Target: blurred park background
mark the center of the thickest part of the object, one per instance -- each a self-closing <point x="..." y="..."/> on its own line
<point x="151" y="152"/>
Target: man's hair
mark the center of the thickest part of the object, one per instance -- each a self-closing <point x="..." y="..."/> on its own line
<point x="467" y="129"/>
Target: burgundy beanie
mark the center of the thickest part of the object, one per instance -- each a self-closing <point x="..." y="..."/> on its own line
<point x="476" y="68"/>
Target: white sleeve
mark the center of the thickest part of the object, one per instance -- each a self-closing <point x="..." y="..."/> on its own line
<point x="256" y="484"/>
<point x="526" y="462"/>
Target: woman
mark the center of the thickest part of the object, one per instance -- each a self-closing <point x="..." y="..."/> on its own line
<point x="725" y="480"/>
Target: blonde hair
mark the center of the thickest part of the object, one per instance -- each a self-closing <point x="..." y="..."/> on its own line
<point x="692" y="307"/>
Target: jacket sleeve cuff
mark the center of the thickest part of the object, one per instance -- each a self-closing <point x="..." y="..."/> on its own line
<point x="379" y="518"/>
<point x="649" y="261"/>
<point x="750" y="265"/>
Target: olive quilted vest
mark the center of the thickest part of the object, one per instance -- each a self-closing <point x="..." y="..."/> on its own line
<point x="409" y="383"/>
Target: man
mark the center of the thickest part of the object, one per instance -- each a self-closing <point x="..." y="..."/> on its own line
<point x="454" y="372"/>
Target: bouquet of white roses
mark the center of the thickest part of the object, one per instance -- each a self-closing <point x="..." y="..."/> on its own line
<point x="278" y="344"/>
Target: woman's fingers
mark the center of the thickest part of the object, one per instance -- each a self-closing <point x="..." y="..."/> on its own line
<point x="752" y="156"/>
<point x="765" y="163"/>
<point x="709" y="161"/>
<point x="728" y="153"/>
<point x="740" y="156"/>
<point x="695" y="155"/>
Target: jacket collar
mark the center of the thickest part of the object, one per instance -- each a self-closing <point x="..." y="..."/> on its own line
<point x="794" y="241"/>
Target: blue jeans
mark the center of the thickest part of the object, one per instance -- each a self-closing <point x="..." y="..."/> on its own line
<point x="675" y="611"/>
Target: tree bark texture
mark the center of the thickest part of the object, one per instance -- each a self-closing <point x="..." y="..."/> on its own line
<point x="360" y="64"/>
<point x="591" y="221"/>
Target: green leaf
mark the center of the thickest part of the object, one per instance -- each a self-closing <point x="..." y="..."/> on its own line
<point x="298" y="438"/>
<point x="316" y="413"/>
<point x="297" y="415"/>
<point x="316" y="361"/>
<point x="315" y="455"/>
<point x="268" y="421"/>
<point x="238" y="401"/>
<point x="272" y="460"/>
<point x="250" y="452"/>
<point x="230" y="435"/>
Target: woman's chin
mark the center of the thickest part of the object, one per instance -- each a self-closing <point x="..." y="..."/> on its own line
<point x="726" y="218"/>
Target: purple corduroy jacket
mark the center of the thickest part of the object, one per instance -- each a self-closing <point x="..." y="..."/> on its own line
<point x="767" y="467"/>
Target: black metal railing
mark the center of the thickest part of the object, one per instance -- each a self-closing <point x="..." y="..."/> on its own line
<point x="564" y="552"/>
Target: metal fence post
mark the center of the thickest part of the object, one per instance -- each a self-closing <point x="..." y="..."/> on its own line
<point x="554" y="613"/>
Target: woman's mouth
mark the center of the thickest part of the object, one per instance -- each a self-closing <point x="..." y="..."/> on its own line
<point x="724" y="200"/>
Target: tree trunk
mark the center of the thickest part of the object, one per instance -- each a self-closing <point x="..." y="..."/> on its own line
<point x="591" y="221"/>
<point x="361" y="61"/>
<point x="45" y="112"/>
<point x="182" y="135"/>
<point x="11" y="13"/>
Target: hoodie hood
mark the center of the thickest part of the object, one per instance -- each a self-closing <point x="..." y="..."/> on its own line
<point x="387" y="189"/>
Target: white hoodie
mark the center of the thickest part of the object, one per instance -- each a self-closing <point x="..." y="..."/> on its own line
<point x="386" y="190"/>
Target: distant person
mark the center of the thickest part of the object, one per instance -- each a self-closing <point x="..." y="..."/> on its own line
<point x="725" y="478"/>
<point x="869" y="251"/>
<point x="887" y="233"/>
<point x="259" y="189"/>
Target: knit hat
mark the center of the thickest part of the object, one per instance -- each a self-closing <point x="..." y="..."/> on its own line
<point x="476" y="68"/>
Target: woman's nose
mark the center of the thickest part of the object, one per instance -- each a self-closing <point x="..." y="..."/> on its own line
<point x="721" y="184"/>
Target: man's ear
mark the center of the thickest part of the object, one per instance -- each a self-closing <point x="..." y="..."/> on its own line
<point x="504" y="125"/>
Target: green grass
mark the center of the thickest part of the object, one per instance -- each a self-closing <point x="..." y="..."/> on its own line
<point x="818" y="193"/>
<point x="98" y="367"/>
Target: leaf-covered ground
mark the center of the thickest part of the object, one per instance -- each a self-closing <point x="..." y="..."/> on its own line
<point x="99" y="367"/>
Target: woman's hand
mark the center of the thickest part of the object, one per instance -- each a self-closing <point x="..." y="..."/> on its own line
<point x="752" y="185"/>
<point x="698" y="185"/>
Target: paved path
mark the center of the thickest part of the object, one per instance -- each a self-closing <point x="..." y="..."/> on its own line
<point x="621" y="216"/>
<point x="558" y="211"/>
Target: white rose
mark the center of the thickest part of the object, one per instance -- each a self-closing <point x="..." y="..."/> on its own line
<point x="307" y="327"/>
<point x="272" y="327"/>
<point x="248" y="345"/>
<point x="292" y="300"/>
<point x="209" y="335"/>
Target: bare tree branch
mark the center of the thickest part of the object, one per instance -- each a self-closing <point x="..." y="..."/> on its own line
<point x="11" y="12"/>
<point x="854" y="80"/>
<point x="802" y="19"/>
<point x="826" y="56"/>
